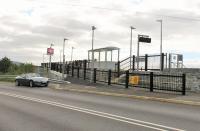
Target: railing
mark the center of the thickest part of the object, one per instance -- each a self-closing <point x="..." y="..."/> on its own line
<point x="146" y="63"/>
<point x="141" y="79"/>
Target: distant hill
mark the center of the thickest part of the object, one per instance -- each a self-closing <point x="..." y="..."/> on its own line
<point x="17" y="63"/>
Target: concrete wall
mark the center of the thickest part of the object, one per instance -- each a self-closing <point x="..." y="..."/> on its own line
<point x="192" y="77"/>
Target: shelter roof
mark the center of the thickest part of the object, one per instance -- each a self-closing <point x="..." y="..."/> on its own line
<point x="109" y="48"/>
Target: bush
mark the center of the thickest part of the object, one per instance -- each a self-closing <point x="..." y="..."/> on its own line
<point x="7" y="67"/>
<point x="5" y="64"/>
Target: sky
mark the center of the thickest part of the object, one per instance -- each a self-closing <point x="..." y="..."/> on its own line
<point x="28" y="27"/>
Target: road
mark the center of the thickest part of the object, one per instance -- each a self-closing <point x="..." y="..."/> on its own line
<point x="44" y="109"/>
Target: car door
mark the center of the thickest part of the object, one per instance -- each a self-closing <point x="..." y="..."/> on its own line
<point x="27" y="79"/>
<point x="21" y="79"/>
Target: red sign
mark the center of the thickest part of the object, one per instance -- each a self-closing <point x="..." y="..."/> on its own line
<point x="50" y="51"/>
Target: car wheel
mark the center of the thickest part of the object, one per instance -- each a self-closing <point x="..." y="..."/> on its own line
<point x="47" y="84"/>
<point x="17" y="83"/>
<point x="31" y="84"/>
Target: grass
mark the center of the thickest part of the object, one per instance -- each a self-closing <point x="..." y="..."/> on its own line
<point x="7" y="79"/>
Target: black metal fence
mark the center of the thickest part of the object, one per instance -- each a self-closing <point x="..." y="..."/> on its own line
<point x="142" y="79"/>
<point x="146" y="63"/>
<point x="148" y="80"/>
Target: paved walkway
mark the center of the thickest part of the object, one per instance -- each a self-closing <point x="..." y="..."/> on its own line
<point x="99" y="88"/>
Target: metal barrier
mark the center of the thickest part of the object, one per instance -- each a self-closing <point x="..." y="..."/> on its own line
<point x="141" y="79"/>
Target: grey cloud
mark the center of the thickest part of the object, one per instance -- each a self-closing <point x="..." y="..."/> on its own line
<point x="174" y="22"/>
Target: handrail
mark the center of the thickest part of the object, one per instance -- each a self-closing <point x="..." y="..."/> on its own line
<point x="125" y="59"/>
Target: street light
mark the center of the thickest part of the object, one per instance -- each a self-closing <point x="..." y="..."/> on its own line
<point x="92" y="66"/>
<point x="63" y="66"/>
<point x="131" y="44"/>
<point x="160" y="41"/>
<point x="72" y="53"/>
<point x="60" y="56"/>
<point x="43" y="57"/>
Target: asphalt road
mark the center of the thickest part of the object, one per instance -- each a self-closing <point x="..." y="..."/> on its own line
<point x="44" y="109"/>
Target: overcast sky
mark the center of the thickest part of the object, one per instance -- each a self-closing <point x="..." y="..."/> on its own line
<point x="28" y="27"/>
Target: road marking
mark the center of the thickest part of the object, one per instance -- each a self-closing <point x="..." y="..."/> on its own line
<point x="185" y="102"/>
<point x="96" y="113"/>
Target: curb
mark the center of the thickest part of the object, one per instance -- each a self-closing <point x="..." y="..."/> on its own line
<point x="192" y="103"/>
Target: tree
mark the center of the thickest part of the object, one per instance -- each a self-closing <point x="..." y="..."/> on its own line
<point x="5" y="64"/>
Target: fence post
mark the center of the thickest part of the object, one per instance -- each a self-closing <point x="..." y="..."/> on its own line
<point x="109" y="77"/>
<point x="78" y="72"/>
<point x="72" y="69"/>
<point x="162" y="61"/>
<point x="127" y="79"/>
<point x="151" y="81"/>
<point x="84" y="69"/>
<point x="133" y="64"/>
<point x="94" y="75"/>
<point x="60" y="68"/>
<point x="183" y="84"/>
<point x="118" y="68"/>
<point x="67" y="68"/>
<point x="146" y="62"/>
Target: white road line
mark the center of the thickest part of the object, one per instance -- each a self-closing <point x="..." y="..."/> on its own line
<point x="97" y="113"/>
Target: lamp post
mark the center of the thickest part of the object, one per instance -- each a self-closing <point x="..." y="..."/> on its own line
<point x="160" y="41"/>
<point x="92" y="66"/>
<point x="43" y="58"/>
<point x="60" y="56"/>
<point x="63" y="66"/>
<point x="131" y="44"/>
<point x="72" y="53"/>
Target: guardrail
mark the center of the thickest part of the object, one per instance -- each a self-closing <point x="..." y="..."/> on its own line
<point x="8" y="76"/>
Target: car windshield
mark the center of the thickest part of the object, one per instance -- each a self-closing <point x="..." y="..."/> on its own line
<point x="33" y="75"/>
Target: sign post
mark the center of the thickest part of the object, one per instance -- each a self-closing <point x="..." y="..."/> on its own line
<point x="144" y="39"/>
<point x="50" y="52"/>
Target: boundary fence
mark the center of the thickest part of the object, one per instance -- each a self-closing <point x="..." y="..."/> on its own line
<point x="141" y="79"/>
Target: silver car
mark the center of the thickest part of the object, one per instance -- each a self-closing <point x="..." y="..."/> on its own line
<point x="31" y="79"/>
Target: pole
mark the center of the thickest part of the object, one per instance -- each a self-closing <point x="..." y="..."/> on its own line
<point x="60" y="56"/>
<point x="161" y="37"/>
<point x="131" y="44"/>
<point x="160" y="43"/>
<point x="49" y="62"/>
<point x="72" y="53"/>
<point x="138" y="53"/>
<point x="131" y="48"/>
<point x="43" y="58"/>
<point x="63" y="66"/>
<point x="50" y="58"/>
<point x="92" y="66"/>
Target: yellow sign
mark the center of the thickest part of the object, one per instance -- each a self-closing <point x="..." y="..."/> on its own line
<point x="134" y="80"/>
